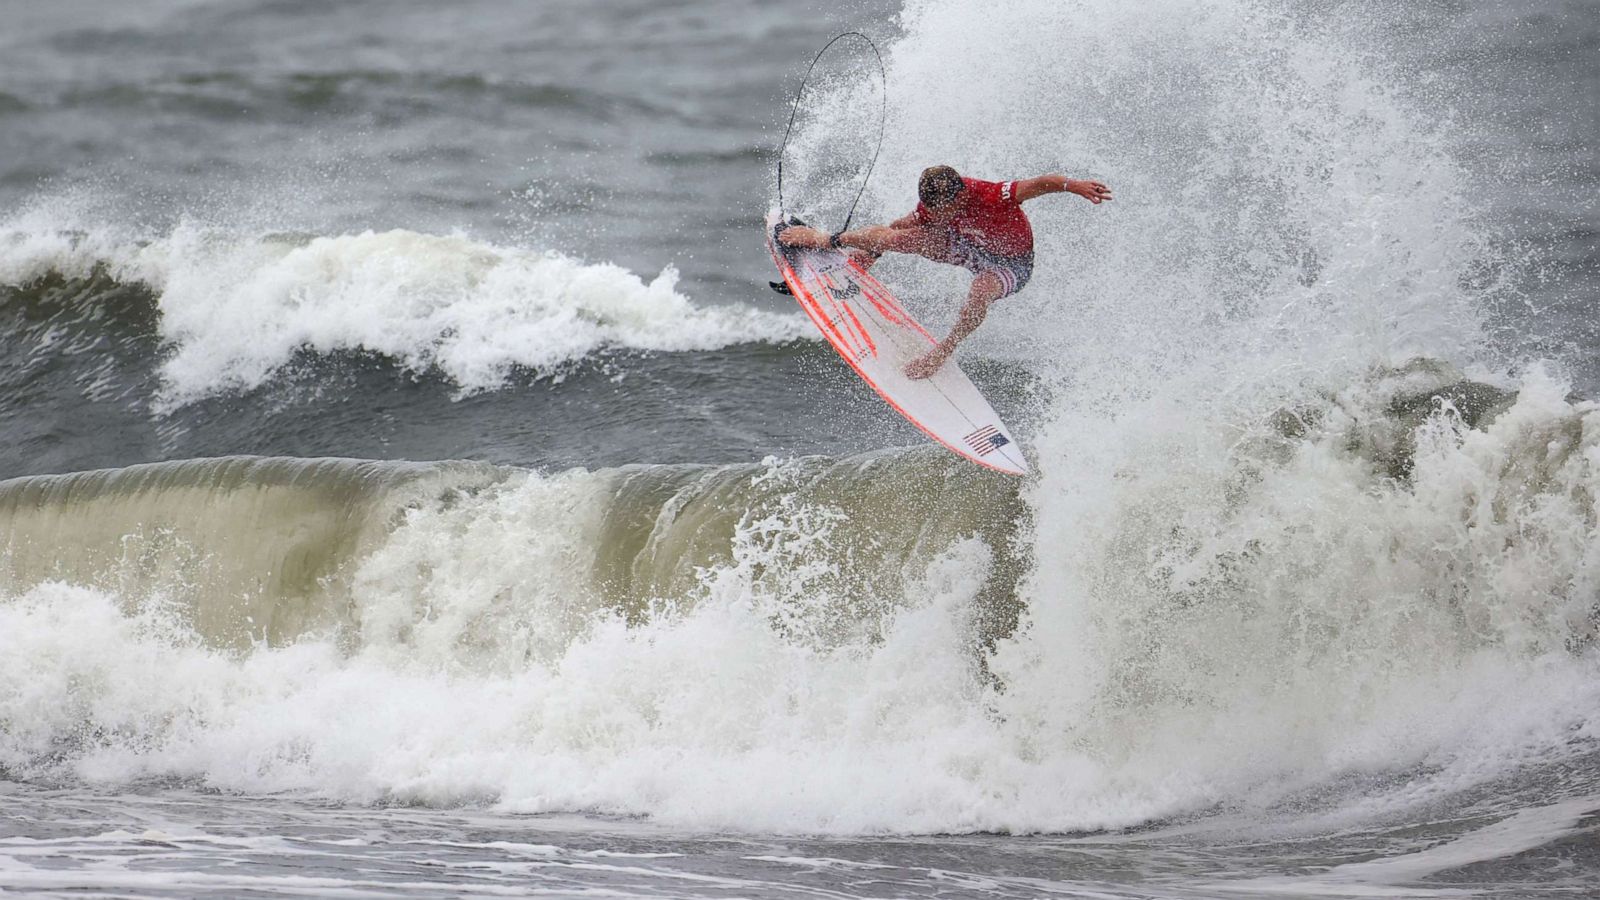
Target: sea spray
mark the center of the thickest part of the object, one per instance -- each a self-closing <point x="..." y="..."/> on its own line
<point x="1278" y="190"/>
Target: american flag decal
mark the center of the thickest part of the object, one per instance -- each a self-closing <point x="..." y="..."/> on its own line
<point x="985" y="439"/>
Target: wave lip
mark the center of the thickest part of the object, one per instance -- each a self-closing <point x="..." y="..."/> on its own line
<point x="275" y="549"/>
<point x="256" y="548"/>
<point x="235" y="312"/>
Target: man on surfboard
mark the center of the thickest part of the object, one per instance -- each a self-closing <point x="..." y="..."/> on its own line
<point x="978" y="225"/>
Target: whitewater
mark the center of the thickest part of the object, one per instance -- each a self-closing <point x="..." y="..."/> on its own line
<point x="411" y="548"/>
<point x="237" y="309"/>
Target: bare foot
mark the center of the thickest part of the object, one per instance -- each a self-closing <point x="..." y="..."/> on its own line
<point x="804" y="237"/>
<point x="924" y="366"/>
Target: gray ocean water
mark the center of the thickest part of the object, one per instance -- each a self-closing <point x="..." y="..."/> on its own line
<point x="414" y="489"/>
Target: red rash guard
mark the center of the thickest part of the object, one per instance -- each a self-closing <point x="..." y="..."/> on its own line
<point x="991" y="218"/>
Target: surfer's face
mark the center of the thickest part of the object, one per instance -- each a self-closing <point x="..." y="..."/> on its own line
<point x="947" y="210"/>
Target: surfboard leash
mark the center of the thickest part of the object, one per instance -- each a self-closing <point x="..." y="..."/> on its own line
<point x="883" y="120"/>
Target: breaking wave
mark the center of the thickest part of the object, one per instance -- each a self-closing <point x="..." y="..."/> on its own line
<point x="234" y="311"/>
<point x="1396" y="579"/>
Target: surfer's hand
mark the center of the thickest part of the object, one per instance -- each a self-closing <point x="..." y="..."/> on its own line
<point x="804" y="237"/>
<point x="1092" y="191"/>
<point x="924" y="366"/>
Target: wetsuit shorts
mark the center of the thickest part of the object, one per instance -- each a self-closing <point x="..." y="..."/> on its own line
<point x="1013" y="271"/>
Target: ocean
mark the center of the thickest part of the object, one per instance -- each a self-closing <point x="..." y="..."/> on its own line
<point x="412" y="487"/>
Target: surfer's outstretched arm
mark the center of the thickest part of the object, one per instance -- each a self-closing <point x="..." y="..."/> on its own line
<point x="1092" y="191"/>
<point x="887" y="239"/>
<point x="867" y="258"/>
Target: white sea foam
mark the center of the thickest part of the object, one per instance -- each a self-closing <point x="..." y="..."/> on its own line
<point x="1223" y="624"/>
<point x="235" y="309"/>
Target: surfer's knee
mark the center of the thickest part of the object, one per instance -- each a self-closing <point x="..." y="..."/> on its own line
<point x="987" y="287"/>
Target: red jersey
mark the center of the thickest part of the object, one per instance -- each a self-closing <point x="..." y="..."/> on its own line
<point x="991" y="218"/>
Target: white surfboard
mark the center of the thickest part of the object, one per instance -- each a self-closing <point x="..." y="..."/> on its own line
<point x="877" y="337"/>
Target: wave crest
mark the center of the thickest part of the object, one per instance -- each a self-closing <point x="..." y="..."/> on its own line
<point x="234" y="312"/>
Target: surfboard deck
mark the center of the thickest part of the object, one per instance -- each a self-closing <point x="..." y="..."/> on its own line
<point x="869" y="328"/>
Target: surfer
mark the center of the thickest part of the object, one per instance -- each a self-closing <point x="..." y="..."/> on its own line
<point x="978" y="225"/>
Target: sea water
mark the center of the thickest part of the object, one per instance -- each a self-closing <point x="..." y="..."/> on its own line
<point x="415" y="489"/>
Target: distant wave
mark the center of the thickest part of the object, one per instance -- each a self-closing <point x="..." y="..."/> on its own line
<point x="233" y="311"/>
<point x="230" y="95"/>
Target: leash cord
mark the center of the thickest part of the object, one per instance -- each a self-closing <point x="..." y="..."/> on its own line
<point x="883" y="119"/>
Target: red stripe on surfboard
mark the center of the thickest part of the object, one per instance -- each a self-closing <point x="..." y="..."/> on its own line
<point x="809" y="304"/>
<point x="860" y="330"/>
<point x="893" y="311"/>
<point x="886" y="301"/>
<point x="834" y="319"/>
<point x="883" y="309"/>
<point x="840" y="309"/>
<point x="889" y="298"/>
<point x="881" y="297"/>
<point x="865" y="334"/>
<point x="864" y="342"/>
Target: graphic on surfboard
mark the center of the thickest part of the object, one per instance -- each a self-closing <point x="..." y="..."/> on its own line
<point x="864" y="322"/>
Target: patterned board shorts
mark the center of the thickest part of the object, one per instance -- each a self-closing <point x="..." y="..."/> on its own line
<point x="1013" y="271"/>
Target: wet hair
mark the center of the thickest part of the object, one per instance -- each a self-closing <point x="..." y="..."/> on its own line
<point x="938" y="186"/>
